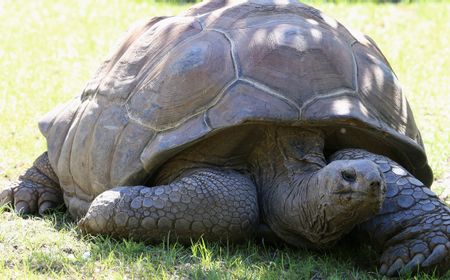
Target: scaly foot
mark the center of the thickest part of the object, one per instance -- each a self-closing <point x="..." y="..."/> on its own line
<point x="413" y="226"/>
<point x="36" y="191"/>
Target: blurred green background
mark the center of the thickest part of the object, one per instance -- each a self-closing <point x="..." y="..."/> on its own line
<point x="48" y="51"/>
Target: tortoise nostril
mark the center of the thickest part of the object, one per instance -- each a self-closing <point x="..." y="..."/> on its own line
<point x="375" y="184"/>
<point x="348" y="175"/>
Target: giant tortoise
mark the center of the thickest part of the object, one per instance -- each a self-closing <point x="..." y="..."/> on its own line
<point x="239" y="119"/>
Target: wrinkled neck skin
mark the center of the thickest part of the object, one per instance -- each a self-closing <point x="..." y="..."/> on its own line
<point x="285" y="167"/>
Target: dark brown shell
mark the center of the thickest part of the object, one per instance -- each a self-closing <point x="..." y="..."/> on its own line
<point x="174" y="81"/>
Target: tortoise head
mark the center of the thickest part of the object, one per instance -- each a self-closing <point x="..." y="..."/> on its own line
<point x="319" y="207"/>
<point x="353" y="184"/>
<point x="350" y="191"/>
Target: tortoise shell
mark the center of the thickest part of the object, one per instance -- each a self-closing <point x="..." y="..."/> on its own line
<point x="174" y="81"/>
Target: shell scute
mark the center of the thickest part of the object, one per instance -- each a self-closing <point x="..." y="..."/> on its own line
<point x="190" y="78"/>
<point x="312" y="59"/>
<point x="126" y="167"/>
<point x="108" y="129"/>
<point x="243" y="101"/>
<point x="55" y="125"/>
<point x="375" y="80"/>
<point x="79" y="164"/>
<point x="61" y="165"/>
<point x="146" y="49"/>
<point x="166" y="143"/>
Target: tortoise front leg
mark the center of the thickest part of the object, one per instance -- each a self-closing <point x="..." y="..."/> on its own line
<point x="210" y="203"/>
<point x="36" y="191"/>
<point x="413" y="226"/>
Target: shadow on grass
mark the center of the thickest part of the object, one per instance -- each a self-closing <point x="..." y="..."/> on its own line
<point x="210" y="260"/>
<point x="251" y="260"/>
<point x="63" y="251"/>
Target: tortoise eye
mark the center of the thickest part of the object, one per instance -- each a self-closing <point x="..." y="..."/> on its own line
<point x="349" y="175"/>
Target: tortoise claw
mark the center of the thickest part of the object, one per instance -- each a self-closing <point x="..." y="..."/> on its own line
<point x="395" y="268"/>
<point x="46" y="207"/>
<point x="383" y="269"/>
<point x="413" y="255"/>
<point x="6" y="196"/>
<point x="413" y="265"/>
<point x="439" y="253"/>
<point x="22" y="208"/>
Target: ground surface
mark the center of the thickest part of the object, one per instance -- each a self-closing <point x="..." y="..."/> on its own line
<point x="48" y="50"/>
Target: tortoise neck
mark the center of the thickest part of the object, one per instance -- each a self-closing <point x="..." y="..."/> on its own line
<point x="301" y="151"/>
<point x="287" y="154"/>
<point x="284" y="166"/>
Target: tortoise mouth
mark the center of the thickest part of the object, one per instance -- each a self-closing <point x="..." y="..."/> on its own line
<point x="350" y="198"/>
<point x="350" y="192"/>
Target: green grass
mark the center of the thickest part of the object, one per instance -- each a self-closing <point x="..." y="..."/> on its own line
<point x="49" y="49"/>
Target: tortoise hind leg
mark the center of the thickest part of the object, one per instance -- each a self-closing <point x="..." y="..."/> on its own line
<point x="413" y="227"/>
<point x="36" y="191"/>
<point x="211" y="203"/>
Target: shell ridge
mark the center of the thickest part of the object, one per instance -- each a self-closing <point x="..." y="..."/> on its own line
<point x="58" y="152"/>
<point x="219" y="97"/>
<point x="113" y="152"/>
<point x="86" y="151"/>
<point x="138" y="121"/>
<point x="146" y="68"/>
<point x="271" y="91"/>
<point x="206" y="120"/>
<point x="89" y="145"/>
<point x="374" y="113"/>
<point x="134" y="34"/>
<point x="198" y="18"/>
<point x="332" y="93"/>
<point x="47" y="121"/>
<point x="183" y="120"/>
<point x="221" y="94"/>
<point x="237" y="68"/>
<point x="355" y="70"/>
<point x="78" y="118"/>
<point x="145" y="146"/>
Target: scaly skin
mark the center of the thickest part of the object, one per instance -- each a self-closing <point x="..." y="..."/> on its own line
<point x="210" y="203"/>
<point x="304" y="200"/>
<point x="36" y="191"/>
<point x="413" y="227"/>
